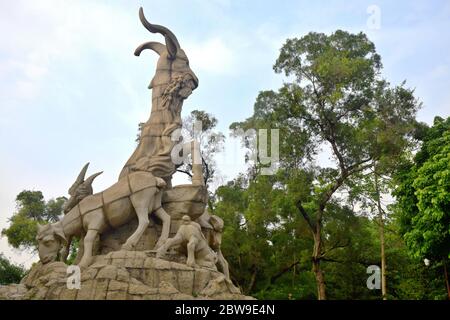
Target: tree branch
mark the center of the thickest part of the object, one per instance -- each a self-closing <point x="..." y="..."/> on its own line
<point x="207" y="173"/>
<point x="186" y="172"/>
<point x="356" y="167"/>
<point x="305" y="215"/>
<point x="283" y="271"/>
<point x="327" y="195"/>
<point x="251" y="285"/>
<point x="338" y="154"/>
<point x="334" y="247"/>
<point x="331" y="260"/>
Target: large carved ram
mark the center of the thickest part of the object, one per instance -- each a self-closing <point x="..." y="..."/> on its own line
<point x="88" y="215"/>
<point x="173" y="82"/>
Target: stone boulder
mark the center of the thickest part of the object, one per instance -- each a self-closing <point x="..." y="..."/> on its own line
<point x="125" y="275"/>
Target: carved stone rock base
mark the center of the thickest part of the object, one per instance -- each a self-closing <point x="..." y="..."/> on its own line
<point x="125" y="275"/>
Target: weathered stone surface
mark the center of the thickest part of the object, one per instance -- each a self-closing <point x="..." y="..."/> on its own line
<point x="141" y="289"/>
<point x="12" y="292"/>
<point x="186" y="192"/>
<point x="123" y="275"/>
<point x="89" y="274"/>
<point x="68" y="294"/>
<point x="101" y="289"/>
<point x="201" y="279"/>
<point x="116" y="295"/>
<point x="156" y="279"/>
<point x="185" y="281"/>
<point x="86" y="291"/>
<point x="108" y="272"/>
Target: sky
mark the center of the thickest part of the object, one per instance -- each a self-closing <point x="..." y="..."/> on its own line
<point x="71" y="90"/>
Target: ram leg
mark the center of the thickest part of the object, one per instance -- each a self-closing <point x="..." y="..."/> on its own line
<point x="141" y="201"/>
<point x="165" y="218"/>
<point x="88" y="247"/>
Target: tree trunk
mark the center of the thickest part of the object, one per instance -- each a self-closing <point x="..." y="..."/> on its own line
<point x="316" y="230"/>
<point x="383" y="260"/>
<point x="383" y="255"/>
<point x="252" y="280"/>
<point x="320" y="281"/>
<point x="446" y="279"/>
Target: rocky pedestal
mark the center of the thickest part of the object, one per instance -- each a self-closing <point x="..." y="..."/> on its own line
<point x="125" y="275"/>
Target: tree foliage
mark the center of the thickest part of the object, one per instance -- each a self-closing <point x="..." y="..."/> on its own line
<point x="423" y="194"/>
<point x="9" y="272"/>
<point x="335" y="97"/>
<point x="268" y="245"/>
<point x="31" y="210"/>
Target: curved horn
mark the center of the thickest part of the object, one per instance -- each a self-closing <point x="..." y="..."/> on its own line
<point x="171" y="41"/>
<point x="158" y="47"/>
<point x="89" y="180"/>
<point x="79" y="180"/>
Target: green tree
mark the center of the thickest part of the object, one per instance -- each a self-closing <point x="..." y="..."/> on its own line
<point x="31" y="210"/>
<point x="337" y="99"/>
<point x="268" y="258"/>
<point x="9" y="272"/>
<point x="423" y="197"/>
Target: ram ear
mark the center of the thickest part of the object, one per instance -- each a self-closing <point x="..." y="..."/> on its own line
<point x="58" y="230"/>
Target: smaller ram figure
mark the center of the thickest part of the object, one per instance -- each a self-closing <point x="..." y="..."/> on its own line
<point x="87" y="215"/>
<point x="190" y="238"/>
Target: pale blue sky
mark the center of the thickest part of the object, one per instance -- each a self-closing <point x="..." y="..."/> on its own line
<point x="72" y="91"/>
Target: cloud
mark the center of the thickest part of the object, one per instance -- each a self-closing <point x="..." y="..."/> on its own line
<point x="213" y="56"/>
<point x="38" y="34"/>
<point x="439" y="72"/>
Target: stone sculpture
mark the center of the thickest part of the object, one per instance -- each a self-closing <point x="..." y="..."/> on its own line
<point x="123" y="251"/>
<point x="136" y="193"/>
<point x="173" y="82"/>
<point x="190" y="237"/>
<point x="212" y="227"/>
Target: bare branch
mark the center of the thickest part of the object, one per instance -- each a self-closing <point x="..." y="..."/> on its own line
<point x="305" y="215"/>
<point x="337" y="245"/>
<point x="207" y="173"/>
<point x="186" y="172"/>
<point x="283" y="271"/>
<point x="357" y="166"/>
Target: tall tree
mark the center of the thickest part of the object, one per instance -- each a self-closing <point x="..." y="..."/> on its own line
<point x="389" y="146"/>
<point x="336" y="98"/>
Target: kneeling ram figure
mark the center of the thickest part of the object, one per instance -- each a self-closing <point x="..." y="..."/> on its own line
<point x="87" y="215"/>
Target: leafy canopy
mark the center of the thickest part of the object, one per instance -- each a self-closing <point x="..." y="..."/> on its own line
<point x="423" y="194"/>
<point x="31" y="210"/>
